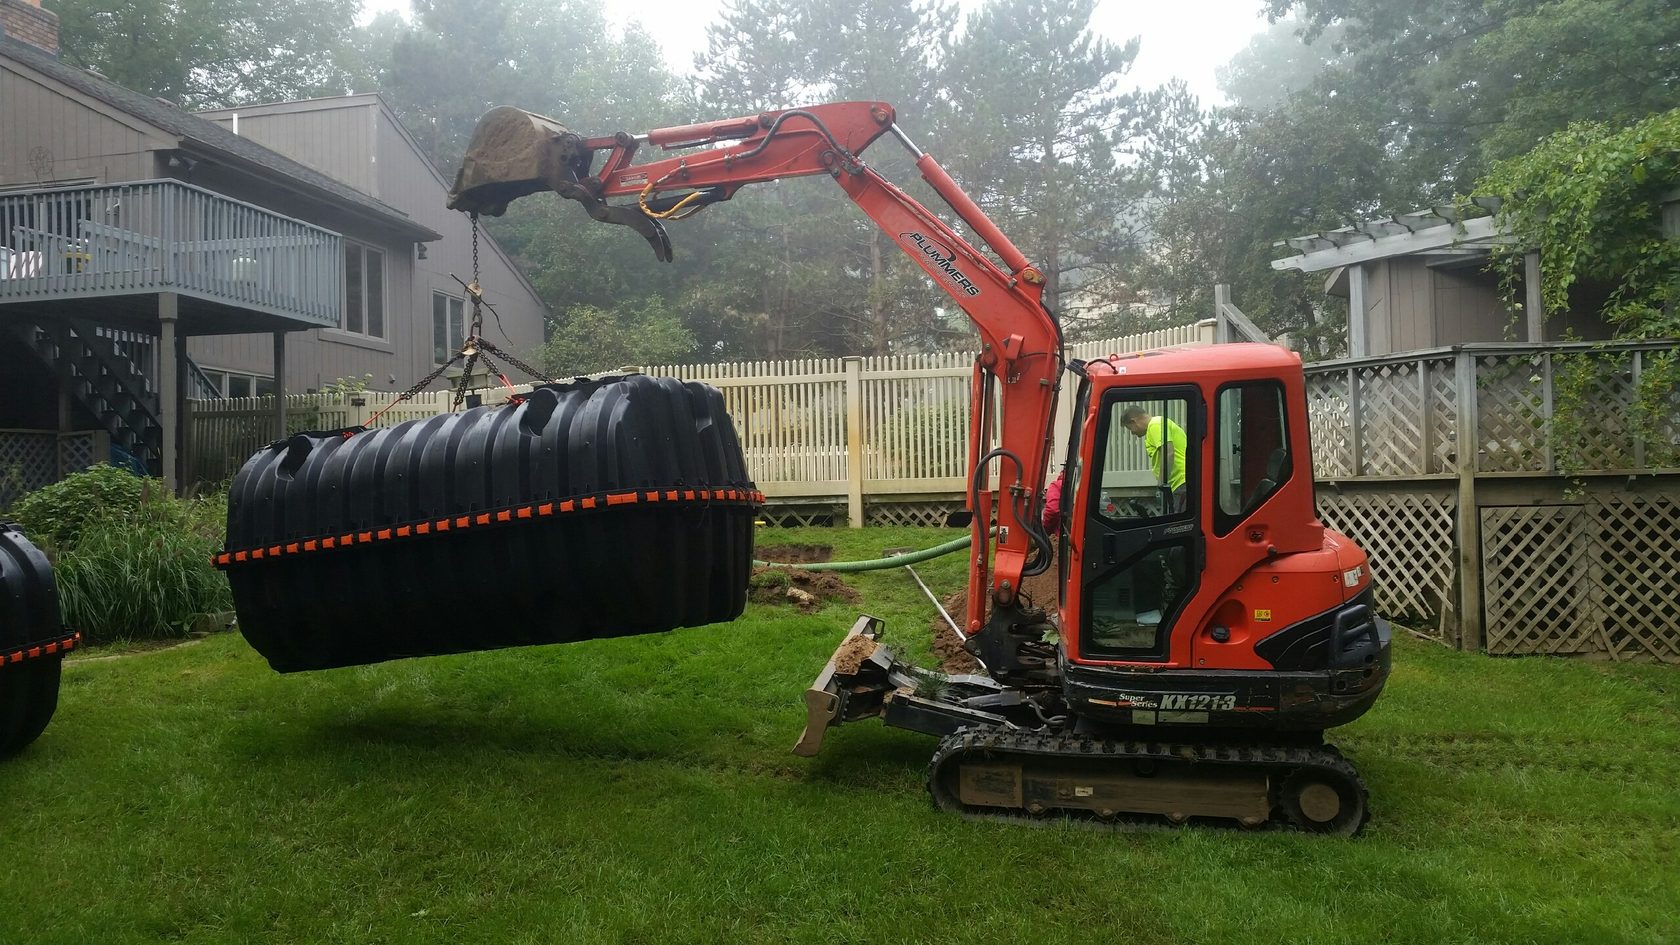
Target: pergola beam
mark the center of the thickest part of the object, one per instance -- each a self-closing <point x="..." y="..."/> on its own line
<point x="1365" y="247"/>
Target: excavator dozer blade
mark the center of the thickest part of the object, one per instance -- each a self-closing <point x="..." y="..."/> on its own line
<point x="853" y="685"/>
<point x="514" y="152"/>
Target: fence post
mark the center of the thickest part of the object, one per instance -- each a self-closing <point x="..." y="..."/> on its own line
<point x="1637" y="372"/>
<point x="189" y="443"/>
<point x="854" y="442"/>
<point x="1470" y="629"/>
<point x="357" y="412"/>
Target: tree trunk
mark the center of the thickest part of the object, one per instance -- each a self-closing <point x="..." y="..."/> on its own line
<point x="877" y="295"/>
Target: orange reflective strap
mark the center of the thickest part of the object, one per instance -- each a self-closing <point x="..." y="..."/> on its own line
<point x="61" y="645"/>
<point x="585" y="503"/>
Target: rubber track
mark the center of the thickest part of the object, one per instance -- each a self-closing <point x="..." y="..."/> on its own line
<point x="1279" y="762"/>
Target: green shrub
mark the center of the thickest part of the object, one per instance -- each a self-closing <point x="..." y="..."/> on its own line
<point x="55" y="515"/>
<point x="143" y="578"/>
<point x="132" y="561"/>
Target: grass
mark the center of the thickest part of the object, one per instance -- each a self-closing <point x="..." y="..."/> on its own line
<point x="641" y="790"/>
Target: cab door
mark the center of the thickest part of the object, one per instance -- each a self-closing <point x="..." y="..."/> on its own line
<point x="1142" y="551"/>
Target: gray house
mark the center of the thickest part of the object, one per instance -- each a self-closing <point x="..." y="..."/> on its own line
<point x="148" y="255"/>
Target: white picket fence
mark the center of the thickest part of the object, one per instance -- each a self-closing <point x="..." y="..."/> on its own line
<point x="824" y="430"/>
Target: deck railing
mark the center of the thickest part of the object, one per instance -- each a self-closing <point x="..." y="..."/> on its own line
<point x="1403" y="416"/>
<point x="166" y="236"/>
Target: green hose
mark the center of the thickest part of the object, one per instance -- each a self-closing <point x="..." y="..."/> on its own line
<point x="877" y="564"/>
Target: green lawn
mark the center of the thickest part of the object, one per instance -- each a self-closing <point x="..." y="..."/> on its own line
<point x="641" y="790"/>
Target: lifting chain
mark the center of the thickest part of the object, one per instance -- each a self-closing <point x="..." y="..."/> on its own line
<point x="474" y="348"/>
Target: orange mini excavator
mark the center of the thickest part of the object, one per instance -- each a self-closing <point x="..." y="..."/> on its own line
<point x="1209" y="627"/>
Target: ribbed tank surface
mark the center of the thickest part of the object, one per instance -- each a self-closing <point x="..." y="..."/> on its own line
<point x="593" y="509"/>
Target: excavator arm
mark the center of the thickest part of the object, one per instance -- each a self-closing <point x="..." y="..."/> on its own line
<point x="1018" y="368"/>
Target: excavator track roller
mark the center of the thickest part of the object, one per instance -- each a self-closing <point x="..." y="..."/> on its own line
<point x="1003" y="774"/>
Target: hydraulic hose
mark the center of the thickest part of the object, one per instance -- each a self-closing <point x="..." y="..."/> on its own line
<point x="876" y="564"/>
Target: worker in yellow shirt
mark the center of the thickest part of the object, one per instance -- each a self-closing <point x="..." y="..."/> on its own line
<point x="1164" y="441"/>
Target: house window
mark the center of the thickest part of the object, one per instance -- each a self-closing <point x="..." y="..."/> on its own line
<point x="364" y="290"/>
<point x="448" y="326"/>
<point x="234" y="384"/>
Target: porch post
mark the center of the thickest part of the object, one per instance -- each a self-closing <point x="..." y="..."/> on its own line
<point x="183" y="426"/>
<point x="1358" y="343"/>
<point x="1534" y="309"/>
<point x="279" y="385"/>
<point x="169" y="385"/>
<point x="1471" y="631"/>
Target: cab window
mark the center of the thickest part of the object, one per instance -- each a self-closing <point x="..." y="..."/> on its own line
<point x="1139" y="541"/>
<point x="1252" y="450"/>
<point x="1143" y="463"/>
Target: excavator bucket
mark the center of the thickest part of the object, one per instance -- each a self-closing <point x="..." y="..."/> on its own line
<point x="514" y="152"/>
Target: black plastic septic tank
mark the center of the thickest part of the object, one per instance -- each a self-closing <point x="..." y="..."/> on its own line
<point x="599" y="508"/>
<point x="32" y="641"/>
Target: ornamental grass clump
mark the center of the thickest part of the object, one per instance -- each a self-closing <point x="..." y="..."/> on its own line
<point x="132" y="561"/>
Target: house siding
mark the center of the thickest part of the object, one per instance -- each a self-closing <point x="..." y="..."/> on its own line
<point x="408" y="182"/>
<point x="52" y="135"/>
<point x="1468" y="308"/>
<point x="333" y="139"/>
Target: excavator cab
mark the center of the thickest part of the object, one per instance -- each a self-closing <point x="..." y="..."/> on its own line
<point x="1199" y="587"/>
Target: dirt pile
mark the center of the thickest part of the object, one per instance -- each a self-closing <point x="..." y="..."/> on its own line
<point x="1040" y="589"/>
<point x="806" y="590"/>
<point x="796" y="554"/>
<point x="851" y="654"/>
<point x="946" y="646"/>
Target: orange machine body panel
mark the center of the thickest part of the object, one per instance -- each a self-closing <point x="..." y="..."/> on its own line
<point x="1279" y="565"/>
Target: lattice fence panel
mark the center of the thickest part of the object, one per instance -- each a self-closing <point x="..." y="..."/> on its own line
<point x="1409" y="539"/>
<point x="1511" y="417"/>
<point x="1536" y="596"/>
<point x="1392" y="421"/>
<point x="28" y="461"/>
<point x="77" y="451"/>
<point x="1635" y="568"/>
<point x="919" y="514"/>
<point x="1330" y="423"/>
<point x="1662" y="448"/>
<point x="803" y="514"/>
<point x="1442" y="423"/>
<point x="1606" y="440"/>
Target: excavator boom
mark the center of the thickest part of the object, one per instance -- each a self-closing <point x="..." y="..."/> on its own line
<point x="514" y="153"/>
